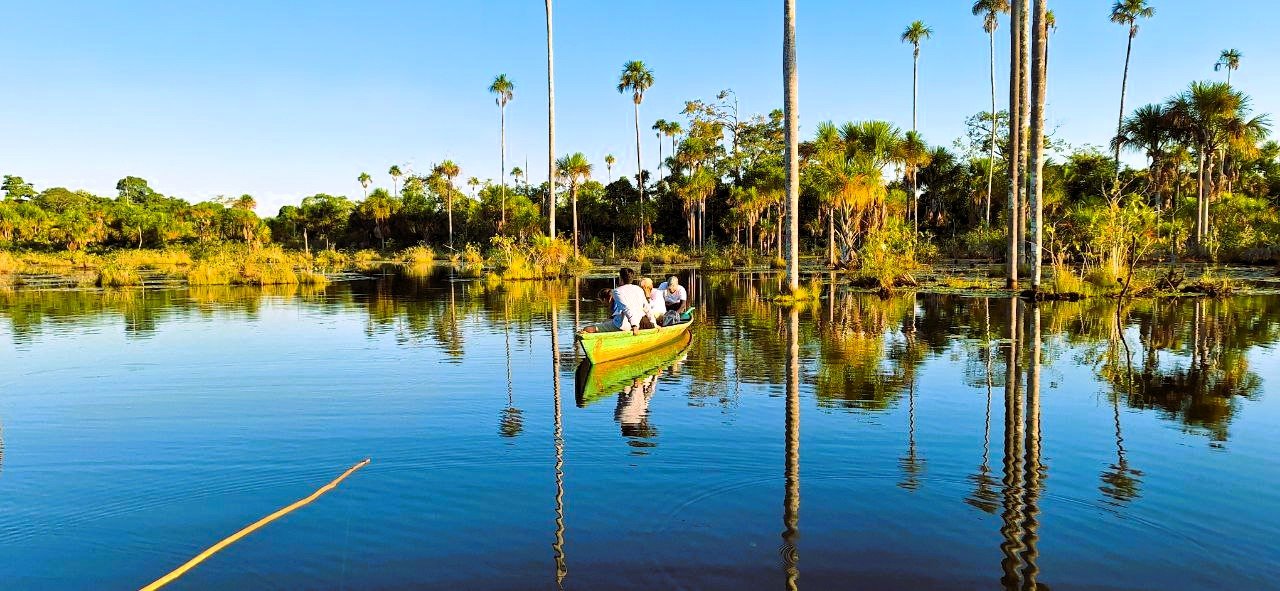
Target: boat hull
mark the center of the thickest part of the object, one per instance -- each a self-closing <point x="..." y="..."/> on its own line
<point x="595" y="381"/>
<point x="602" y="347"/>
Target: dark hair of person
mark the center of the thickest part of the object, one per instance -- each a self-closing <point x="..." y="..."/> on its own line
<point x="626" y="274"/>
<point x="604" y="294"/>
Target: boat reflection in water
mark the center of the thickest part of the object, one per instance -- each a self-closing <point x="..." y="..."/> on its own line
<point x="634" y="380"/>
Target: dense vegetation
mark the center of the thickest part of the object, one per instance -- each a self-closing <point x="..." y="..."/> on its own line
<point x="872" y="197"/>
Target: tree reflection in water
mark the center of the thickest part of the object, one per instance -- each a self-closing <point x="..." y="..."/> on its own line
<point x="791" y="498"/>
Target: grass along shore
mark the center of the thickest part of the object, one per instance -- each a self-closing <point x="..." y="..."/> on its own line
<point x="508" y="260"/>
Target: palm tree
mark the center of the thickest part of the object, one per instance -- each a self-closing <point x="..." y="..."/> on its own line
<point x="637" y="78"/>
<point x="1229" y="60"/>
<point x="990" y="10"/>
<point x="575" y="168"/>
<point x="1127" y="12"/>
<point x="1149" y="129"/>
<point x="914" y="154"/>
<point x="449" y="170"/>
<point x="505" y="90"/>
<point x="395" y="179"/>
<point x="791" y="118"/>
<point x="660" y="127"/>
<point x="365" y="179"/>
<point x="914" y="34"/>
<point x="473" y="182"/>
<point x="517" y="173"/>
<point x="608" y="164"/>
<point x="551" y="130"/>
<point x="673" y="131"/>
<point x="1039" y="47"/>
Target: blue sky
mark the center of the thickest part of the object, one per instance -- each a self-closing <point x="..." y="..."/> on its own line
<point x="284" y="99"/>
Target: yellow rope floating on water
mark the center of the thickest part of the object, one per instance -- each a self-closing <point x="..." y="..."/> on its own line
<point x="201" y="557"/>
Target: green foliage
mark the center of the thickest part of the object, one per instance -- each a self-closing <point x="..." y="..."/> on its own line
<point x="417" y="255"/>
<point x="891" y="255"/>
<point x="115" y="275"/>
<point x="9" y="263"/>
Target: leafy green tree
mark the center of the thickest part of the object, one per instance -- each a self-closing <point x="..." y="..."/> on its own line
<point x="133" y="189"/>
<point x="15" y="188"/>
<point x="609" y="160"/>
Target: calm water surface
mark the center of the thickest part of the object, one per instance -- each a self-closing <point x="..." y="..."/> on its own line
<point x="915" y="442"/>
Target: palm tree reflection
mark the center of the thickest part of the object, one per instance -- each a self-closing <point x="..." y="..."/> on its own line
<point x="562" y="569"/>
<point x="791" y="499"/>
<point x="512" y="423"/>
<point x="1023" y="470"/>
<point x="984" y="496"/>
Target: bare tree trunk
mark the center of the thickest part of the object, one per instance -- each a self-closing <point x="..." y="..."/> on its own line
<point x="1039" y="43"/>
<point x="551" y="132"/>
<point x="790" y="102"/>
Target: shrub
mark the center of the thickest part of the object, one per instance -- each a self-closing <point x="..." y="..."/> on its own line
<point x="113" y="275"/>
<point x="9" y="263"/>
<point x="151" y="259"/>
<point x="332" y="260"/>
<point x="890" y="256"/>
<point x="417" y="255"/>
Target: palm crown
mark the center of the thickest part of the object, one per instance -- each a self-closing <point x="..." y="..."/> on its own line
<point x="990" y="11"/>
<point x="504" y="88"/>
<point x="1230" y="59"/>
<point x="1127" y="12"/>
<point x="915" y="33"/>
<point x="637" y="78"/>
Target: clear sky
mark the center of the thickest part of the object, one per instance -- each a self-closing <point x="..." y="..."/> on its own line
<point x="284" y="99"/>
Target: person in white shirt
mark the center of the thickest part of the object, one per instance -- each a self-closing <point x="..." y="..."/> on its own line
<point x="656" y="307"/>
<point x="674" y="294"/>
<point x="628" y="306"/>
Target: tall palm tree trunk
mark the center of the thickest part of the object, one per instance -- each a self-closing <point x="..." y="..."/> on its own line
<point x="991" y="162"/>
<point x="1200" y="199"/>
<point x="502" y="160"/>
<point x="551" y="130"/>
<point x="449" y="205"/>
<point x="1124" y="86"/>
<point x="659" y="169"/>
<point x="790" y="102"/>
<point x="1024" y="104"/>
<point x="1039" y="43"/>
<point x="639" y="170"/>
<point x="1015" y="145"/>
<point x="573" y="197"/>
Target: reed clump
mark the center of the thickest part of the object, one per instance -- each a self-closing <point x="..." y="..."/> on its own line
<point x="417" y="255"/>
<point x="116" y="275"/>
<point x="9" y="263"/>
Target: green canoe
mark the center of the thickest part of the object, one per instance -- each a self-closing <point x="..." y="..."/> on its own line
<point x="594" y="381"/>
<point x="600" y="347"/>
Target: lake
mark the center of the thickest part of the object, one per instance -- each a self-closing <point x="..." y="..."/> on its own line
<point x="919" y="441"/>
